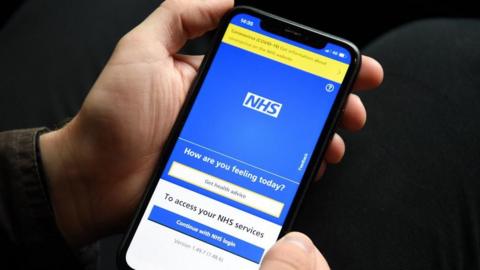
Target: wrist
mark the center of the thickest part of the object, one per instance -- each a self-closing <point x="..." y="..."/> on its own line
<point x="62" y="170"/>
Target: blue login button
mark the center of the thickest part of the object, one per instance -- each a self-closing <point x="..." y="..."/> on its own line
<point x="206" y="234"/>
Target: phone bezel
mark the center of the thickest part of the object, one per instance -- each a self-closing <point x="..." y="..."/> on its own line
<point x="320" y="147"/>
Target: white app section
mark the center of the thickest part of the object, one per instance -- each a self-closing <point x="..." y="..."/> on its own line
<point x="155" y="246"/>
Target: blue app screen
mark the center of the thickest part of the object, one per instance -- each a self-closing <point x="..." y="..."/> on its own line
<point x="229" y="183"/>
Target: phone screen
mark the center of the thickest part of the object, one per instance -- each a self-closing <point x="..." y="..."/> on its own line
<point x="236" y="166"/>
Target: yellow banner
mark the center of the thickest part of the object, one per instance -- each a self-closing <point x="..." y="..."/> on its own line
<point x="285" y="53"/>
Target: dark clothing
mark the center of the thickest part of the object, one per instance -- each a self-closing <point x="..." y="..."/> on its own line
<point x="406" y="195"/>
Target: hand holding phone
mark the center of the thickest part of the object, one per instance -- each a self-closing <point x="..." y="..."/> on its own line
<point x="245" y="147"/>
<point x="110" y="148"/>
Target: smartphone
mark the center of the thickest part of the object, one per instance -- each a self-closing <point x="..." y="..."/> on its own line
<point x="245" y="147"/>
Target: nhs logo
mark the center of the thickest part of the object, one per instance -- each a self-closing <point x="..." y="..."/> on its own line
<point x="262" y="104"/>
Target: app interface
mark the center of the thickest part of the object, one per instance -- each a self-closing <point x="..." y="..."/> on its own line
<point x="229" y="183"/>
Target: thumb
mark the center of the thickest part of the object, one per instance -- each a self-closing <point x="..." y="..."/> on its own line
<point x="295" y="251"/>
<point x="176" y="21"/>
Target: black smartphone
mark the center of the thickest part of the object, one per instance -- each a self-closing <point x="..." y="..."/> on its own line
<point x="245" y="147"/>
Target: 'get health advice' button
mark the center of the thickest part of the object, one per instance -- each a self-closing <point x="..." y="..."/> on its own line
<point x="206" y="234"/>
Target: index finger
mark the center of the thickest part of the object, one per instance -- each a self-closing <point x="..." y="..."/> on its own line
<point x="370" y="75"/>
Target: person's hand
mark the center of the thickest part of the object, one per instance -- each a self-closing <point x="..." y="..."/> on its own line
<point x="294" y="251"/>
<point x="98" y="165"/>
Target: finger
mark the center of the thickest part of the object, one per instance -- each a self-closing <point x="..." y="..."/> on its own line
<point x="354" y="115"/>
<point x="193" y="60"/>
<point x="370" y="74"/>
<point x="335" y="150"/>
<point x="321" y="171"/>
<point x="295" y="251"/>
<point x="176" y="21"/>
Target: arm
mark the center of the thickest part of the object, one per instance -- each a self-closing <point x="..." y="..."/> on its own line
<point x="28" y="229"/>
